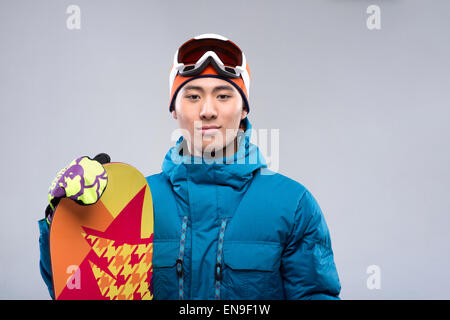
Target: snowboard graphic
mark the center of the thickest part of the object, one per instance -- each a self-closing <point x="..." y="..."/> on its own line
<point x="104" y="250"/>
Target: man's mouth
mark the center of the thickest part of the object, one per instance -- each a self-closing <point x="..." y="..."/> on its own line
<point x="209" y="130"/>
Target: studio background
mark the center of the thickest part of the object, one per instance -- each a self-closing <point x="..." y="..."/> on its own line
<point x="363" y="118"/>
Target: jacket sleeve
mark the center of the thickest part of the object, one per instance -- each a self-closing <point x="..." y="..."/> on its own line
<point x="44" y="247"/>
<point x="307" y="265"/>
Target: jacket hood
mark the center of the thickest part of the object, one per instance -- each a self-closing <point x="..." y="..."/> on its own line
<point x="232" y="171"/>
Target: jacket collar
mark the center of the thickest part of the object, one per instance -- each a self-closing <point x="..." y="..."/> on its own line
<point x="232" y="171"/>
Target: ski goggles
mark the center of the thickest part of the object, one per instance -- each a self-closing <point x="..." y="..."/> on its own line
<point x="225" y="56"/>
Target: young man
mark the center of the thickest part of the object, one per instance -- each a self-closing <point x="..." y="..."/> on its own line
<point x="247" y="232"/>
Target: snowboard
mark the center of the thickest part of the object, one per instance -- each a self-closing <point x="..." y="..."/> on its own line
<point x="103" y="251"/>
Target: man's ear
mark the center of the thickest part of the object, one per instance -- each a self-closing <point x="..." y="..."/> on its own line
<point x="174" y="114"/>
<point x="244" y="114"/>
<point x="244" y="110"/>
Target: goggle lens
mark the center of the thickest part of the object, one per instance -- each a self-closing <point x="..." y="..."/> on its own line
<point x="193" y="50"/>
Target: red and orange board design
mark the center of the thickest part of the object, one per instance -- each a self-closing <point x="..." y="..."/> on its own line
<point x="104" y="251"/>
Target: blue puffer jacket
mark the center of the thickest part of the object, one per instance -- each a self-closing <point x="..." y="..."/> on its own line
<point x="233" y="231"/>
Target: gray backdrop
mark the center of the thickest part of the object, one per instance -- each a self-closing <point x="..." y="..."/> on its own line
<point x="363" y="118"/>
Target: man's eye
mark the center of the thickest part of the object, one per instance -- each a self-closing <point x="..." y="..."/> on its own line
<point x="193" y="96"/>
<point x="223" y="96"/>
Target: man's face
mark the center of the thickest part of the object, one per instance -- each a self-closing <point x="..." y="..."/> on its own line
<point x="205" y="108"/>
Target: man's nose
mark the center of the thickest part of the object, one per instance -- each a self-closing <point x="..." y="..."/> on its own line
<point x="208" y="110"/>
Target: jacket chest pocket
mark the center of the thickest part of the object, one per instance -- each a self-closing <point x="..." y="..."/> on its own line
<point x="252" y="270"/>
<point x="165" y="281"/>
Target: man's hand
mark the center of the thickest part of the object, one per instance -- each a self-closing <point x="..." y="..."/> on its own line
<point x="83" y="180"/>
